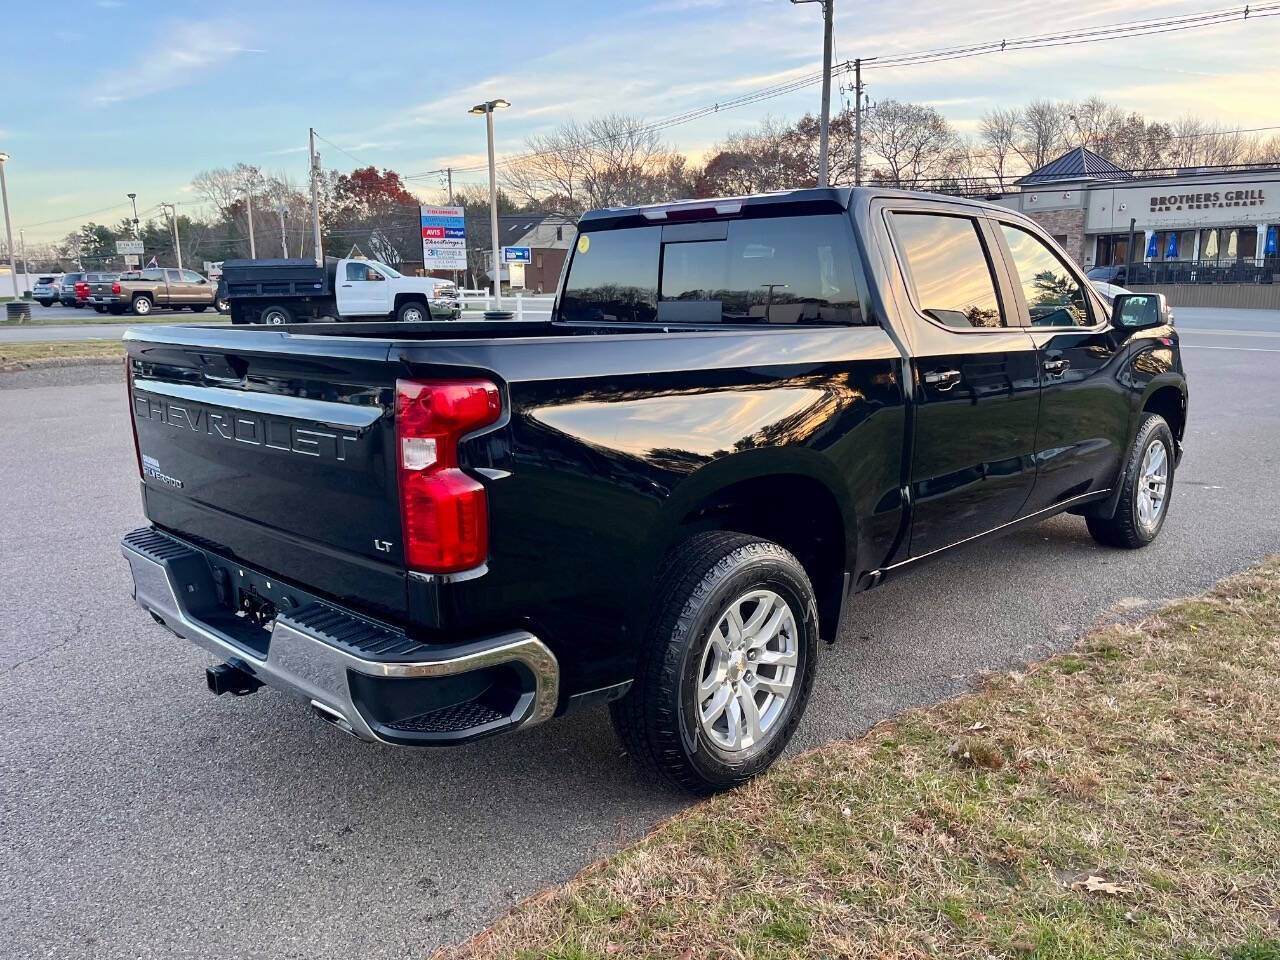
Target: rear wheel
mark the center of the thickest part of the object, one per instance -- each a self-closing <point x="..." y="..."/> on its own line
<point x="142" y="305"/>
<point x="199" y="308"/>
<point x="277" y="314"/>
<point x="413" y="311"/>
<point x="99" y="308"/>
<point x="727" y="666"/>
<point x="1148" y="487"/>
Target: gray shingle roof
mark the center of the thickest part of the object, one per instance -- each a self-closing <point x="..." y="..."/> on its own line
<point x="1079" y="163"/>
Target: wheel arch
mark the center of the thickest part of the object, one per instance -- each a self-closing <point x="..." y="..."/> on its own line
<point x="792" y="497"/>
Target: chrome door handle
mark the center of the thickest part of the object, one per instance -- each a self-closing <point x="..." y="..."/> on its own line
<point x="942" y="380"/>
<point x="1056" y="366"/>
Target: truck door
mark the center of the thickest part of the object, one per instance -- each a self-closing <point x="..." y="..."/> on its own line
<point x="1084" y="409"/>
<point x="362" y="291"/>
<point x="974" y="379"/>
<point x="173" y="291"/>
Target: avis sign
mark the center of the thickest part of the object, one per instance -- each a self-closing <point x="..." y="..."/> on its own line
<point x="444" y="238"/>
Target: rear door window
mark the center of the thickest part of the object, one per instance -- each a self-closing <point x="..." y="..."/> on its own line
<point x="948" y="267"/>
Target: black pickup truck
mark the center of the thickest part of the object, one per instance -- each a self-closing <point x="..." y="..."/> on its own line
<point x="741" y="412"/>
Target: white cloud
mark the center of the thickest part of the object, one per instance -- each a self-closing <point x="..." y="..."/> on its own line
<point x="181" y="53"/>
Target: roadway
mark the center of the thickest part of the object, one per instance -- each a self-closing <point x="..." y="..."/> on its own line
<point x="145" y="818"/>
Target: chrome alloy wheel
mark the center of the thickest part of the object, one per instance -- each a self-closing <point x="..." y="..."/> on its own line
<point x="1153" y="484"/>
<point x="412" y="315"/>
<point x="748" y="671"/>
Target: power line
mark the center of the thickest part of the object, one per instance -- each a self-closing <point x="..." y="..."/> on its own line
<point x="1097" y="34"/>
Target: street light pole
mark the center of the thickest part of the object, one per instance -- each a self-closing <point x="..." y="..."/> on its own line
<point x="8" y="230"/>
<point x="133" y="198"/>
<point x="22" y="242"/>
<point x="172" y="211"/>
<point x="248" y="199"/>
<point x="487" y="109"/>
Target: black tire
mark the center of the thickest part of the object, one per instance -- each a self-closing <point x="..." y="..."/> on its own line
<point x="46" y="303"/>
<point x="276" y="315"/>
<point x="200" y="308"/>
<point x="658" y="719"/>
<point x="79" y="304"/>
<point x="116" y="309"/>
<point x="222" y="306"/>
<point x="99" y="308"/>
<point x="142" y="305"/>
<point x="413" y="311"/>
<point x="1126" y="529"/>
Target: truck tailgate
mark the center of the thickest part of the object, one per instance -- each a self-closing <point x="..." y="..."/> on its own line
<point x="279" y="461"/>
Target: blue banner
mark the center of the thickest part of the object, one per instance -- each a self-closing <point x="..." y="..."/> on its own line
<point x="1153" y="247"/>
<point x="1269" y="248"/>
<point x="1171" y="251"/>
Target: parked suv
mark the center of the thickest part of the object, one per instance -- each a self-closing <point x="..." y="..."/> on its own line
<point x="67" y="290"/>
<point x="45" y="291"/>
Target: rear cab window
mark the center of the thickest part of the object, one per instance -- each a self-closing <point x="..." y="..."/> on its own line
<point x="948" y="269"/>
<point x="769" y="270"/>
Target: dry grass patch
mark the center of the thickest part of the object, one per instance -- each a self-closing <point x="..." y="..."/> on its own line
<point x="16" y="356"/>
<point x="1121" y="800"/>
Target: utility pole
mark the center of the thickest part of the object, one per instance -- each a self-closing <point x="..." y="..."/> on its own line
<point x="315" y="199"/>
<point x="248" y="198"/>
<point x="823" y="178"/>
<point x="449" y="171"/>
<point x="284" y="243"/>
<point x="8" y="230"/>
<point x="22" y="243"/>
<point x="857" y="122"/>
<point x="825" y="123"/>
<point x="172" y="211"/>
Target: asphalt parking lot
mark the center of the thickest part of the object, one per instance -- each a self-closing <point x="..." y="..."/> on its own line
<point x="142" y="817"/>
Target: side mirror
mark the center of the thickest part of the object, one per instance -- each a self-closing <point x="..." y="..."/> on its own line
<point x="1137" y="311"/>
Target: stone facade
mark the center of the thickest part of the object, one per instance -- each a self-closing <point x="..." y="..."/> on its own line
<point x="1066" y="226"/>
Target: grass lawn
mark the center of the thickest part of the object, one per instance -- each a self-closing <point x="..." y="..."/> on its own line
<point x="92" y="316"/>
<point x="1118" y="801"/>
<point x="15" y="356"/>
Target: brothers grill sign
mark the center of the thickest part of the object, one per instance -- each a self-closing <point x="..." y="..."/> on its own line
<point x="1206" y="201"/>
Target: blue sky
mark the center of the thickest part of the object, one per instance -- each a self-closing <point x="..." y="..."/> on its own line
<point x="114" y="96"/>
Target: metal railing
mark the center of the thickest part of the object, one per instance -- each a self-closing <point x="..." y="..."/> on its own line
<point x="1249" y="270"/>
<point x="524" y="306"/>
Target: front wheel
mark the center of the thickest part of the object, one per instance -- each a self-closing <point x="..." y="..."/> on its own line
<point x="413" y="311"/>
<point x="1148" y="487"/>
<point x="727" y="665"/>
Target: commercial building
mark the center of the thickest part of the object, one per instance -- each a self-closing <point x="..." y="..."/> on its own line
<point x="1202" y="227"/>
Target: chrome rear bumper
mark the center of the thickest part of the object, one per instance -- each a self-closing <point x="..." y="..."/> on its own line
<point x="323" y="654"/>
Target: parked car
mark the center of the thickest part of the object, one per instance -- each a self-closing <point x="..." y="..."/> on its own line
<point x="296" y="291"/>
<point x="741" y="413"/>
<point x="141" y="291"/>
<point x="45" y="290"/>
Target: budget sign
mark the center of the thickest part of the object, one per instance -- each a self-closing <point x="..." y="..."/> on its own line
<point x="444" y="233"/>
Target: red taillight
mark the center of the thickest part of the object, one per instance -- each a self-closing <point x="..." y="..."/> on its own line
<point x="133" y="423"/>
<point x="444" y="511"/>
<point x="115" y="288"/>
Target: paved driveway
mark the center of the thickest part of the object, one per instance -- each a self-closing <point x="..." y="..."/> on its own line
<point x="142" y="817"/>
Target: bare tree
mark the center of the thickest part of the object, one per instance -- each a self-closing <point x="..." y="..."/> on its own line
<point x="607" y="161"/>
<point x="1042" y="132"/>
<point x="913" y="143"/>
<point x="998" y="135"/>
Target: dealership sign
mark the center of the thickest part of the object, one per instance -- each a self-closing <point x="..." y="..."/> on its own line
<point x="132" y="247"/>
<point x="444" y="238"/>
